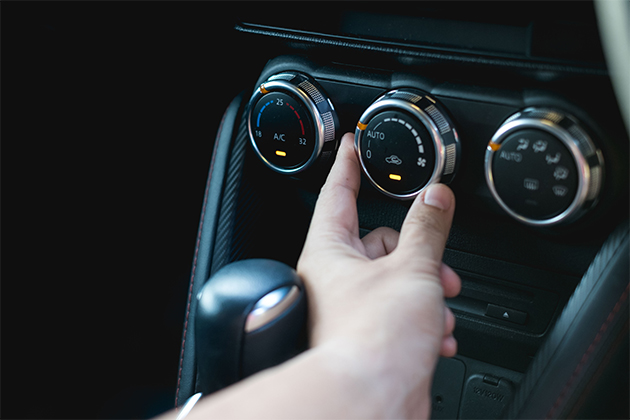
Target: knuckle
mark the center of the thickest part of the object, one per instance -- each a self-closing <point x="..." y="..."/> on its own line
<point x="428" y="223"/>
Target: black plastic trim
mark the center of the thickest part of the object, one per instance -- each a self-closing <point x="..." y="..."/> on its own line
<point x="204" y="248"/>
<point x="408" y="50"/>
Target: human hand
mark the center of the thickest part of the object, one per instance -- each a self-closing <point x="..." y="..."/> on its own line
<point x="377" y="315"/>
<point x="381" y="296"/>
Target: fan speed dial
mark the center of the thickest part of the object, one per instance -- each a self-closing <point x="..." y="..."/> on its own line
<point x="405" y="142"/>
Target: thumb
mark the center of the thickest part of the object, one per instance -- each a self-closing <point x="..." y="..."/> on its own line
<point x="428" y="222"/>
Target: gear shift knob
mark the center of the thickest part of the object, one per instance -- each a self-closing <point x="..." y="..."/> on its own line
<point x="251" y="315"/>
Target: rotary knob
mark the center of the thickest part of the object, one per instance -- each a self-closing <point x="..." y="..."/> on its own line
<point x="405" y="142"/>
<point x="543" y="168"/>
<point x="290" y="122"/>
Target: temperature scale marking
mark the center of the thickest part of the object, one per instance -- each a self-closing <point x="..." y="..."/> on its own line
<point x="293" y="109"/>
<point x="299" y="119"/>
<point x="261" y="111"/>
<point x="413" y="131"/>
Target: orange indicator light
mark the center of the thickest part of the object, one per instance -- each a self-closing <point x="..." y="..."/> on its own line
<point x="361" y="125"/>
<point x="263" y="90"/>
<point x="281" y="153"/>
<point x="395" y="177"/>
<point x="494" y="146"/>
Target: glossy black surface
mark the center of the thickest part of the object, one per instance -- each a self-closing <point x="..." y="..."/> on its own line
<point x="227" y="351"/>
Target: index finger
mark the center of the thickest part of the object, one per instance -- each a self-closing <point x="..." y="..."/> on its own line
<point x="336" y="206"/>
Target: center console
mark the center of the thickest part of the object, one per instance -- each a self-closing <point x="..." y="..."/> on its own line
<point x="536" y="165"/>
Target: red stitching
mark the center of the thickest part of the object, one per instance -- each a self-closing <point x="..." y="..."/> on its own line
<point x="589" y="351"/>
<point x="589" y="388"/>
<point x="192" y="276"/>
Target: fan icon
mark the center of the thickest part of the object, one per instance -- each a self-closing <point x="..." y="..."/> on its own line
<point x="422" y="162"/>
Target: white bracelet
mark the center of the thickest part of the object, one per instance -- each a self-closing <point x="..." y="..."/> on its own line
<point x="188" y="405"/>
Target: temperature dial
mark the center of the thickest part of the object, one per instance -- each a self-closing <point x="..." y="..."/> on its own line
<point x="406" y="141"/>
<point x="543" y="168"/>
<point x="290" y="122"/>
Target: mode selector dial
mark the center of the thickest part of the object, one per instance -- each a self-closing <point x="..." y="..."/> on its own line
<point x="290" y="122"/>
<point x="543" y="168"/>
<point x="405" y="142"/>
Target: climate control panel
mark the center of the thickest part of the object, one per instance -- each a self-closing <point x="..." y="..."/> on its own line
<point x="541" y="164"/>
<point x="543" y="168"/>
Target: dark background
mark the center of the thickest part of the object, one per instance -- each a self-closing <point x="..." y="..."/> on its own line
<point x="110" y="114"/>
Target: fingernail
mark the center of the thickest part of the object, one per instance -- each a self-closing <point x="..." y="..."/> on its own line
<point x="437" y="196"/>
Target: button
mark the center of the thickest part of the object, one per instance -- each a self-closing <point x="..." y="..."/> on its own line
<point x="534" y="174"/>
<point x="506" y="314"/>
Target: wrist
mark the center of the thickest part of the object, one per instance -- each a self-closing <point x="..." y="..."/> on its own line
<point x="392" y="385"/>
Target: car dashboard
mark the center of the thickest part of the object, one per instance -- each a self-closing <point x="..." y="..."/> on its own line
<point x="215" y="130"/>
<point x="483" y="91"/>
